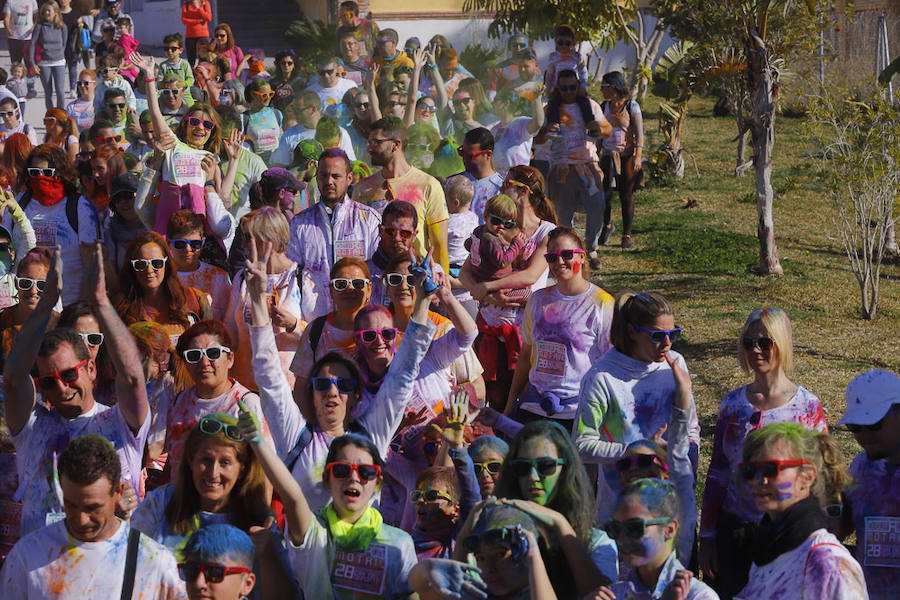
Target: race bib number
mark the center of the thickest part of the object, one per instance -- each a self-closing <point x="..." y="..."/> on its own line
<point x="10" y="525"/>
<point x="882" y="542"/>
<point x="267" y="139"/>
<point x="349" y="248"/>
<point x="54" y="517"/>
<point x="45" y="232"/>
<point x="417" y="403"/>
<point x="187" y="166"/>
<point x="551" y="358"/>
<point x="574" y="141"/>
<point x="364" y="572"/>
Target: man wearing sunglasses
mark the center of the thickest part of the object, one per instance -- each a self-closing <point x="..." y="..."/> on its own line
<point x="172" y="104"/>
<point x="65" y="377"/>
<point x="871" y="503"/>
<point x="84" y="554"/>
<point x="398" y="180"/>
<point x="13" y="123"/>
<point x="329" y="230"/>
<point x="330" y="86"/>
<point x="477" y="152"/>
<point x="306" y="109"/>
<point x="396" y="234"/>
<point x="115" y="112"/>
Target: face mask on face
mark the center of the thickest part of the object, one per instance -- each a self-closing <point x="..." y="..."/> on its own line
<point x="46" y="190"/>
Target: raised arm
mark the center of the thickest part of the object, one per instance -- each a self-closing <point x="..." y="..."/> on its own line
<point x="233" y="146"/>
<point x="281" y="413"/>
<point x="371" y="77"/>
<point x="412" y="94"/>
<point x="147" y="67"/>
<point x="537" y="111"/>
<point x="296" y="509"/>
<point x="17" y="383"/>
<point x="123" y="352"/>
<point x="442" y="100"/>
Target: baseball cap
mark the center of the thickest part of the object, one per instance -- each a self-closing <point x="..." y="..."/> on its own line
<point x="126" y="182"/>
<point x="275" y="179"/>
<point x="870" y="396"/>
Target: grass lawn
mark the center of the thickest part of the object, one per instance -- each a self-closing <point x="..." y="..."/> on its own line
<point x="699" y="258"/>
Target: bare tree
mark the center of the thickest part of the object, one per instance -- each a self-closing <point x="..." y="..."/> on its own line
<point x="859" y="154"/>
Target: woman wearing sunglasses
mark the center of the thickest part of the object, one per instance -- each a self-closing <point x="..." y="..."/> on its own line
<point x="536" y="219"/>
<point x="224" y="46"/>
<point x="507" y="546"/>
<point x="262" y="123"/>
<point x="350" y="290"/>
<point x="564" y="332"/>
<point x="334" y="391"/>
<point x="790" y="472"/>
<point x="186" y="170"/>
<point x="263" y="226"/>
<point x="51" y="184"/>
<point x="543" y="477"/>
<point x="765" y="350"/>
<point x="82" y="317"/>
<point x="629" y="394"/>
<point x="220" y="480"/>
<point x="30" y="282"/>
<point x="150" y="290"/>
<point x="487" y="453"/>
<point x="344" y="550"/>
<point x="62" y="131"/>
<point x="645" y="526"/>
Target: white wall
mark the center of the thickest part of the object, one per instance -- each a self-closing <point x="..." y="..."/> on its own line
<point x="153" y="19"/>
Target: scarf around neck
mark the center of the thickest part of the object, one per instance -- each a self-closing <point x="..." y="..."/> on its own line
<point x="353" y="537"/>
<point x="783" y="534"/>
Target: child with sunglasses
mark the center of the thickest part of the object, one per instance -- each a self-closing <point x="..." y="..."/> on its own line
<point x="565" y="330"/>
<point x="173" y="45"/>
<point x="261" y="122"/>
<point x="497" y="244"/>
<point x="630" y="393"/>
<point x="344" y="550"/>
<point x="223" y="554"/>
<point x="790" y="472"/>
<point x="645" y="526"/>
<point x="109" y="67"/>
<point x="765" y="350"/>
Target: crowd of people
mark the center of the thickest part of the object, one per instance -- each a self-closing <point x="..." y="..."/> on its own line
<point x="327" y="330"/>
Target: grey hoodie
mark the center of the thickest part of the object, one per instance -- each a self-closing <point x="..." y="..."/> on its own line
<point x="52" y="40"/>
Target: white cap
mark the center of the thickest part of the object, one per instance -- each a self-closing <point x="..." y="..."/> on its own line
<point x="870" y="396"/>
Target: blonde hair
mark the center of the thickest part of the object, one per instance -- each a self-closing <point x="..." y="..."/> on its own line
<point x="267" y="224"/>
<point x="502" y="206"/>
<point x="57" y="20"/>
<point x="778" y="326"/>
<point x="819" y="449"/>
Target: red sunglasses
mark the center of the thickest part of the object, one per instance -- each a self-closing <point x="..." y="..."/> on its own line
<point x="66" y="376"/>
<point x="769" y="468"/>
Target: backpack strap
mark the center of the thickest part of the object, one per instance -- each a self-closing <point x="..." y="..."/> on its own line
<point x="134" y="538"/>
<point x="315" y="333"/>
<point x="303" y="440"/>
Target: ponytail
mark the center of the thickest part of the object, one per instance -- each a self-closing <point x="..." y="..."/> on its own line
<point x="831" y="472"/>
<point x="537" y="198"/>
<point x="640" y="309"/>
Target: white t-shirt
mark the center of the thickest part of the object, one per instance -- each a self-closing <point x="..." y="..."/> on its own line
<point x="328" y="572"/>
<point x="23" y="127"/>
<point x="459" y="229"/>
<point x="512" y="144"/>
<point x="572" y="145"/>
<point x="284" y="154"/>
<point x="332" y="95"/>
<point x="21" y="18"/>
<point x="50" y="563"/>
<point x="46" y="435"/>
<point x="51" y="228"/>
<point x="83" y="113"/>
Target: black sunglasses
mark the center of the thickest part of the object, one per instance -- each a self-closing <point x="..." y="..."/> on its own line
<point x="491" y="537"/>
<point x="763" y="343"/>
<point x="546" y="466"/>
<point x="212" y="573"/>
<point x="497" y="222"/>
<point x="632" y="528"/>
<point x="183" y="244"/>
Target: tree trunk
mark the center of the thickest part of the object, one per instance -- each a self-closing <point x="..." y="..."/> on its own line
<point x="762" y="130"/>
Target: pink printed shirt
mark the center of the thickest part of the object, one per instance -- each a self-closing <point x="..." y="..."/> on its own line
<point x="736" y="419"/>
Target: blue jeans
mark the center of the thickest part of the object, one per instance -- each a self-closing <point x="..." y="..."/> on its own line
<point x="58" y="75"/>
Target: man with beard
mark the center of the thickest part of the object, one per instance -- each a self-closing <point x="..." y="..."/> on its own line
<point x="329" y="230"/>
<point x="396" y="234"/>
<point x="398" y="180"/>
